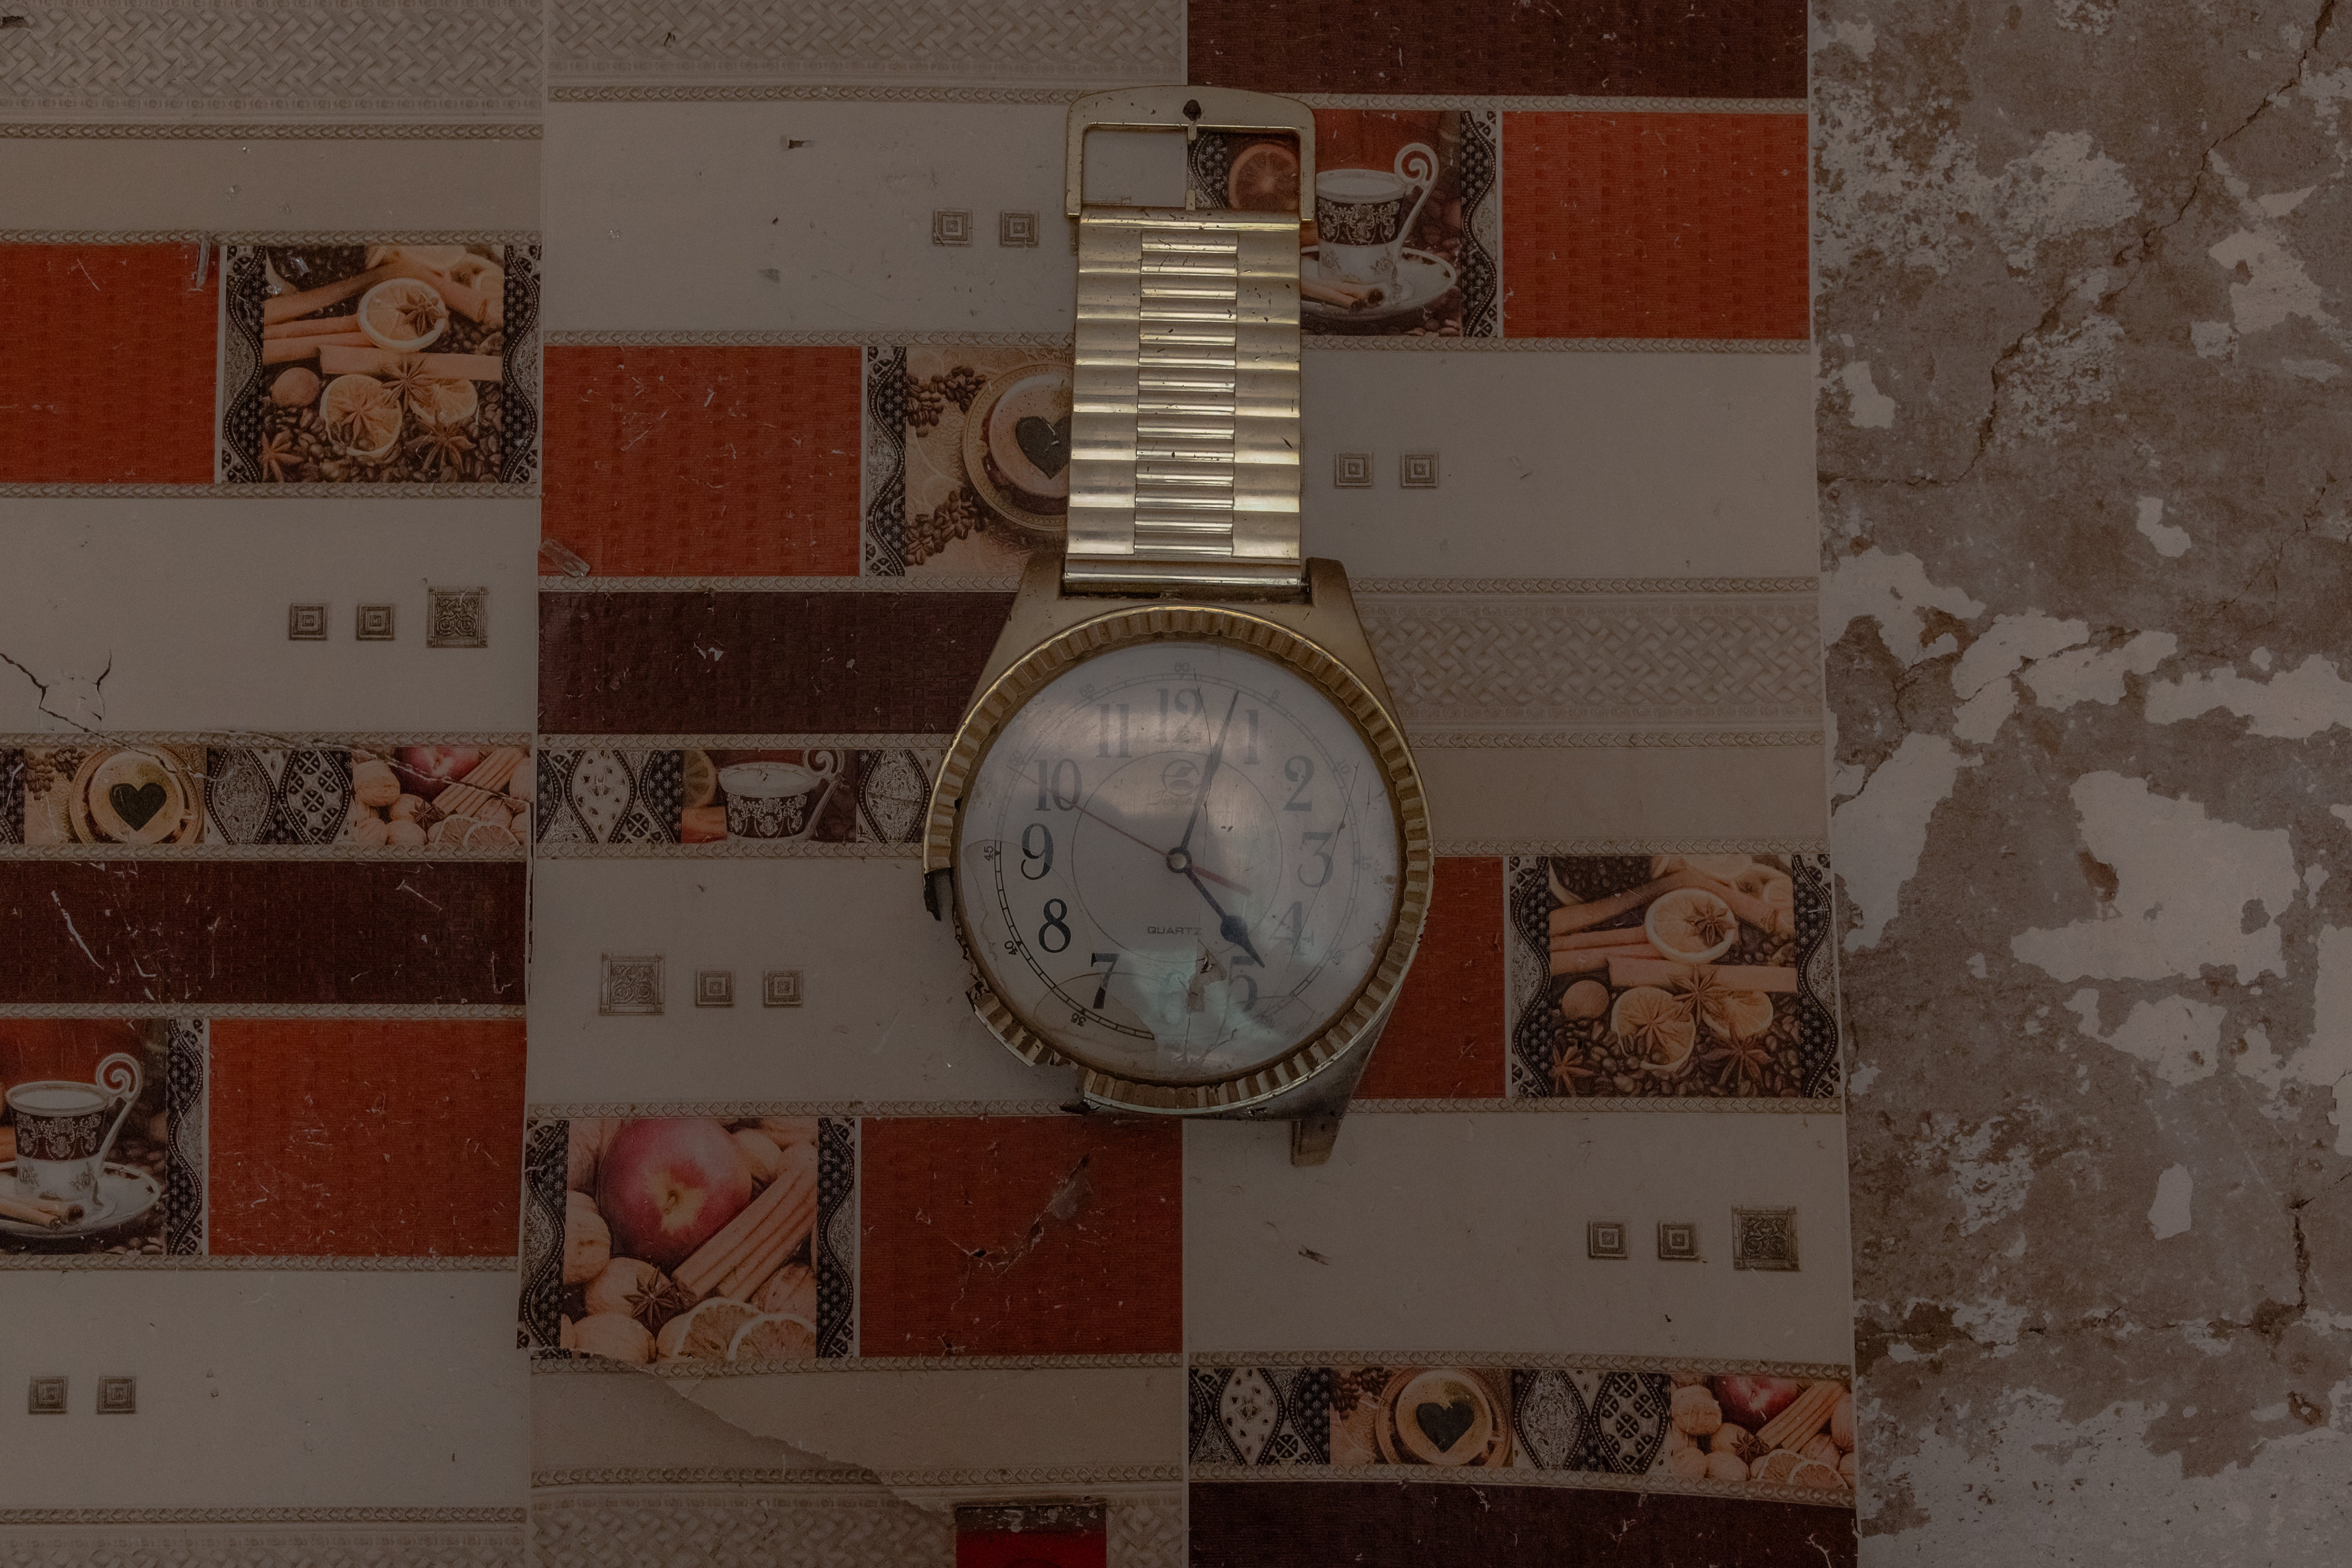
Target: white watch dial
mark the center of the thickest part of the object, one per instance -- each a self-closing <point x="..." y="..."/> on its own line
<point x="1179" y="861"/>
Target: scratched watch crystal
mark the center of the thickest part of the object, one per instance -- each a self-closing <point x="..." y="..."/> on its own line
<point x="1179" y="861"/>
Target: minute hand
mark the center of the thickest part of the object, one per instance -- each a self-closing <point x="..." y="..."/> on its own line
<point x="1209" y="775"/>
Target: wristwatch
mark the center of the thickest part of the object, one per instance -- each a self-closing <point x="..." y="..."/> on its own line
<point x="1179" y="830"/>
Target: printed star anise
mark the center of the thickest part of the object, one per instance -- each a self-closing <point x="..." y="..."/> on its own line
<point x="444" y="448"/>
<point x="407" y="377"/>
<point x="1712" y="926"/>
<point x="1707" y="999"/>
<point x="1743" y="1062"/>
<point x="1568" y="1071"/>
<point x="279" y="457"/>
<point x="421" y="315"/>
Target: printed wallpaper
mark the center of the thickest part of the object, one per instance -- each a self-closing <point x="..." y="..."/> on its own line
<point x="511" y="525"/>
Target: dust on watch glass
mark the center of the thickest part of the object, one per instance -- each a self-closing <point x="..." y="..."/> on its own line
<point x="1179" y="861"/>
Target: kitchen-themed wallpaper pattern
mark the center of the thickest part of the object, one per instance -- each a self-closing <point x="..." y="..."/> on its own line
<point x="1782" y="1433"/>
<point x="346" y="915"/>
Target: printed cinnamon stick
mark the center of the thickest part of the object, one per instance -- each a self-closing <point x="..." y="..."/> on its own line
<point x="311" y="327"/>
<point x="34" y="1212"/>
<point x="1346" y="295"/>
<point x="353" y="361"/>
<point x="785" y="1233"/>
<point x="1613" y="936"/>
<point x="1582" y="916"/>
<point x="282" y="350"/>
<point x="1623" y="972"/>
<point x="1592" y="960"/>
<point x="467" y="302"/>
<point x="715" y="1258"/>
<point x="286" y="306"/>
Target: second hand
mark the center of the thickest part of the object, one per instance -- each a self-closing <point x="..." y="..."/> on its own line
<point x="1123" y="832"/>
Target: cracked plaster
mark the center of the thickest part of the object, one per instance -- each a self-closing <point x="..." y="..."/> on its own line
<point x="2086" y="492"/>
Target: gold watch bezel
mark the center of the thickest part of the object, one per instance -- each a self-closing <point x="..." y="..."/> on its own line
<point x="1159" y="622"/>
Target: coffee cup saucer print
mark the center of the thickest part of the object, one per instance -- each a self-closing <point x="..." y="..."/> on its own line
<point x="87" y="1155"/>
<point x="1398" y="235"/>
<point x="375" y="364"/>
<point x="986" y="458"/>
<point x="145" y="796"/>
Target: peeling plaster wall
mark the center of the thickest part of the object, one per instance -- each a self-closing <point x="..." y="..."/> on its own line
<point x="2085" y="435"/>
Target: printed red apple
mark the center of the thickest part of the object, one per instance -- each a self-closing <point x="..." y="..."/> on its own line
<point x="666" y="1185"/>
<point x="428" y="770"/>
<point x="1750" y="1402"/>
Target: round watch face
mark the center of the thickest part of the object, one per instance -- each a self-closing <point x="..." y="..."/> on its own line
<point x="1179" y="861"/>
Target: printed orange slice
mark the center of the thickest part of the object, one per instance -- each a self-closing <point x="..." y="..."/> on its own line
<point x="1655" y="1025"/>
<point x="1263" y="178"/>
<point x="778" y="1336"/>
<point x="362" y="417"/>
<point x="403" y="315"/>
<point x="704" y="1333"/>
<point x="450" y="402"/>
<point x="1691" y="925"/>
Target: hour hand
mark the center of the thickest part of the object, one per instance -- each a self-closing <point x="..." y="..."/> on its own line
<point x="1233" y="927"/>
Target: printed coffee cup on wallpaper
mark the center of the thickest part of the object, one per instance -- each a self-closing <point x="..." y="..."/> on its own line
<point x="65" y="1130"/>
<point x="1442" y="1417"/>
<point x="1362" y="216"/>
<point x="777" y="800"/>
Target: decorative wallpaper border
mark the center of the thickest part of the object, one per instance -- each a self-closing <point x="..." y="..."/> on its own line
<point x="1602" y="740"/>
<point x="1788" y="1106"/>
<point x="237" y="58"/>
<point x="736" y="1110"/>
<point x="301" y="1263"/>
<point x="269" y="130"/>
<point x="853" y="93"/>
<point x="1364" y="587"/>
<point x="1609" y="1423"/>
<point x="1541" y="1360"/>
<point x="461" y="1011"/>
<point x="1055" y="343"/>
<point x="1509" y="847"/>
<point x="1579" y="1480"/>
<point x="361" y="1514"/>
<point x="242" y="491"/>
<point x="695" y="1371"/>
<point x="554" y="742"/>
<point x="1034" y="42"/>
<point x="941" y="584"/>
<point x="254" y="796"/>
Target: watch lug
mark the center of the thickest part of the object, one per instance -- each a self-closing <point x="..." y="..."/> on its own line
<point x="1312" y="1137"/>
<point x="938" y="893"/>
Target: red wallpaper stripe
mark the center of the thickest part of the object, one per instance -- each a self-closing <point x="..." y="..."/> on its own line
<point x="1021" y="1235"/>
<point x="1654" y="225"/>
<point x="705" y="461"/>
<point x="761" y="663"/>
<point x="1445" y="1041"/>
<point x="108" y="369"/>
<point x="344" y="1139"/>
<point x="1620" y="48"/>
<point x="213" y="932"/>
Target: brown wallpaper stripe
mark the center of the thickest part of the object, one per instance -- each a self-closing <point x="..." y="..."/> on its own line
<point x="745" y="664"/>
<point x="221" y="932"/>
<point x="1258" y="1524"/>
<point x="1601" y="48"/>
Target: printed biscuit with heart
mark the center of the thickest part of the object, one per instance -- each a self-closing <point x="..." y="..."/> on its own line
<point x="1029" y="440"/>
